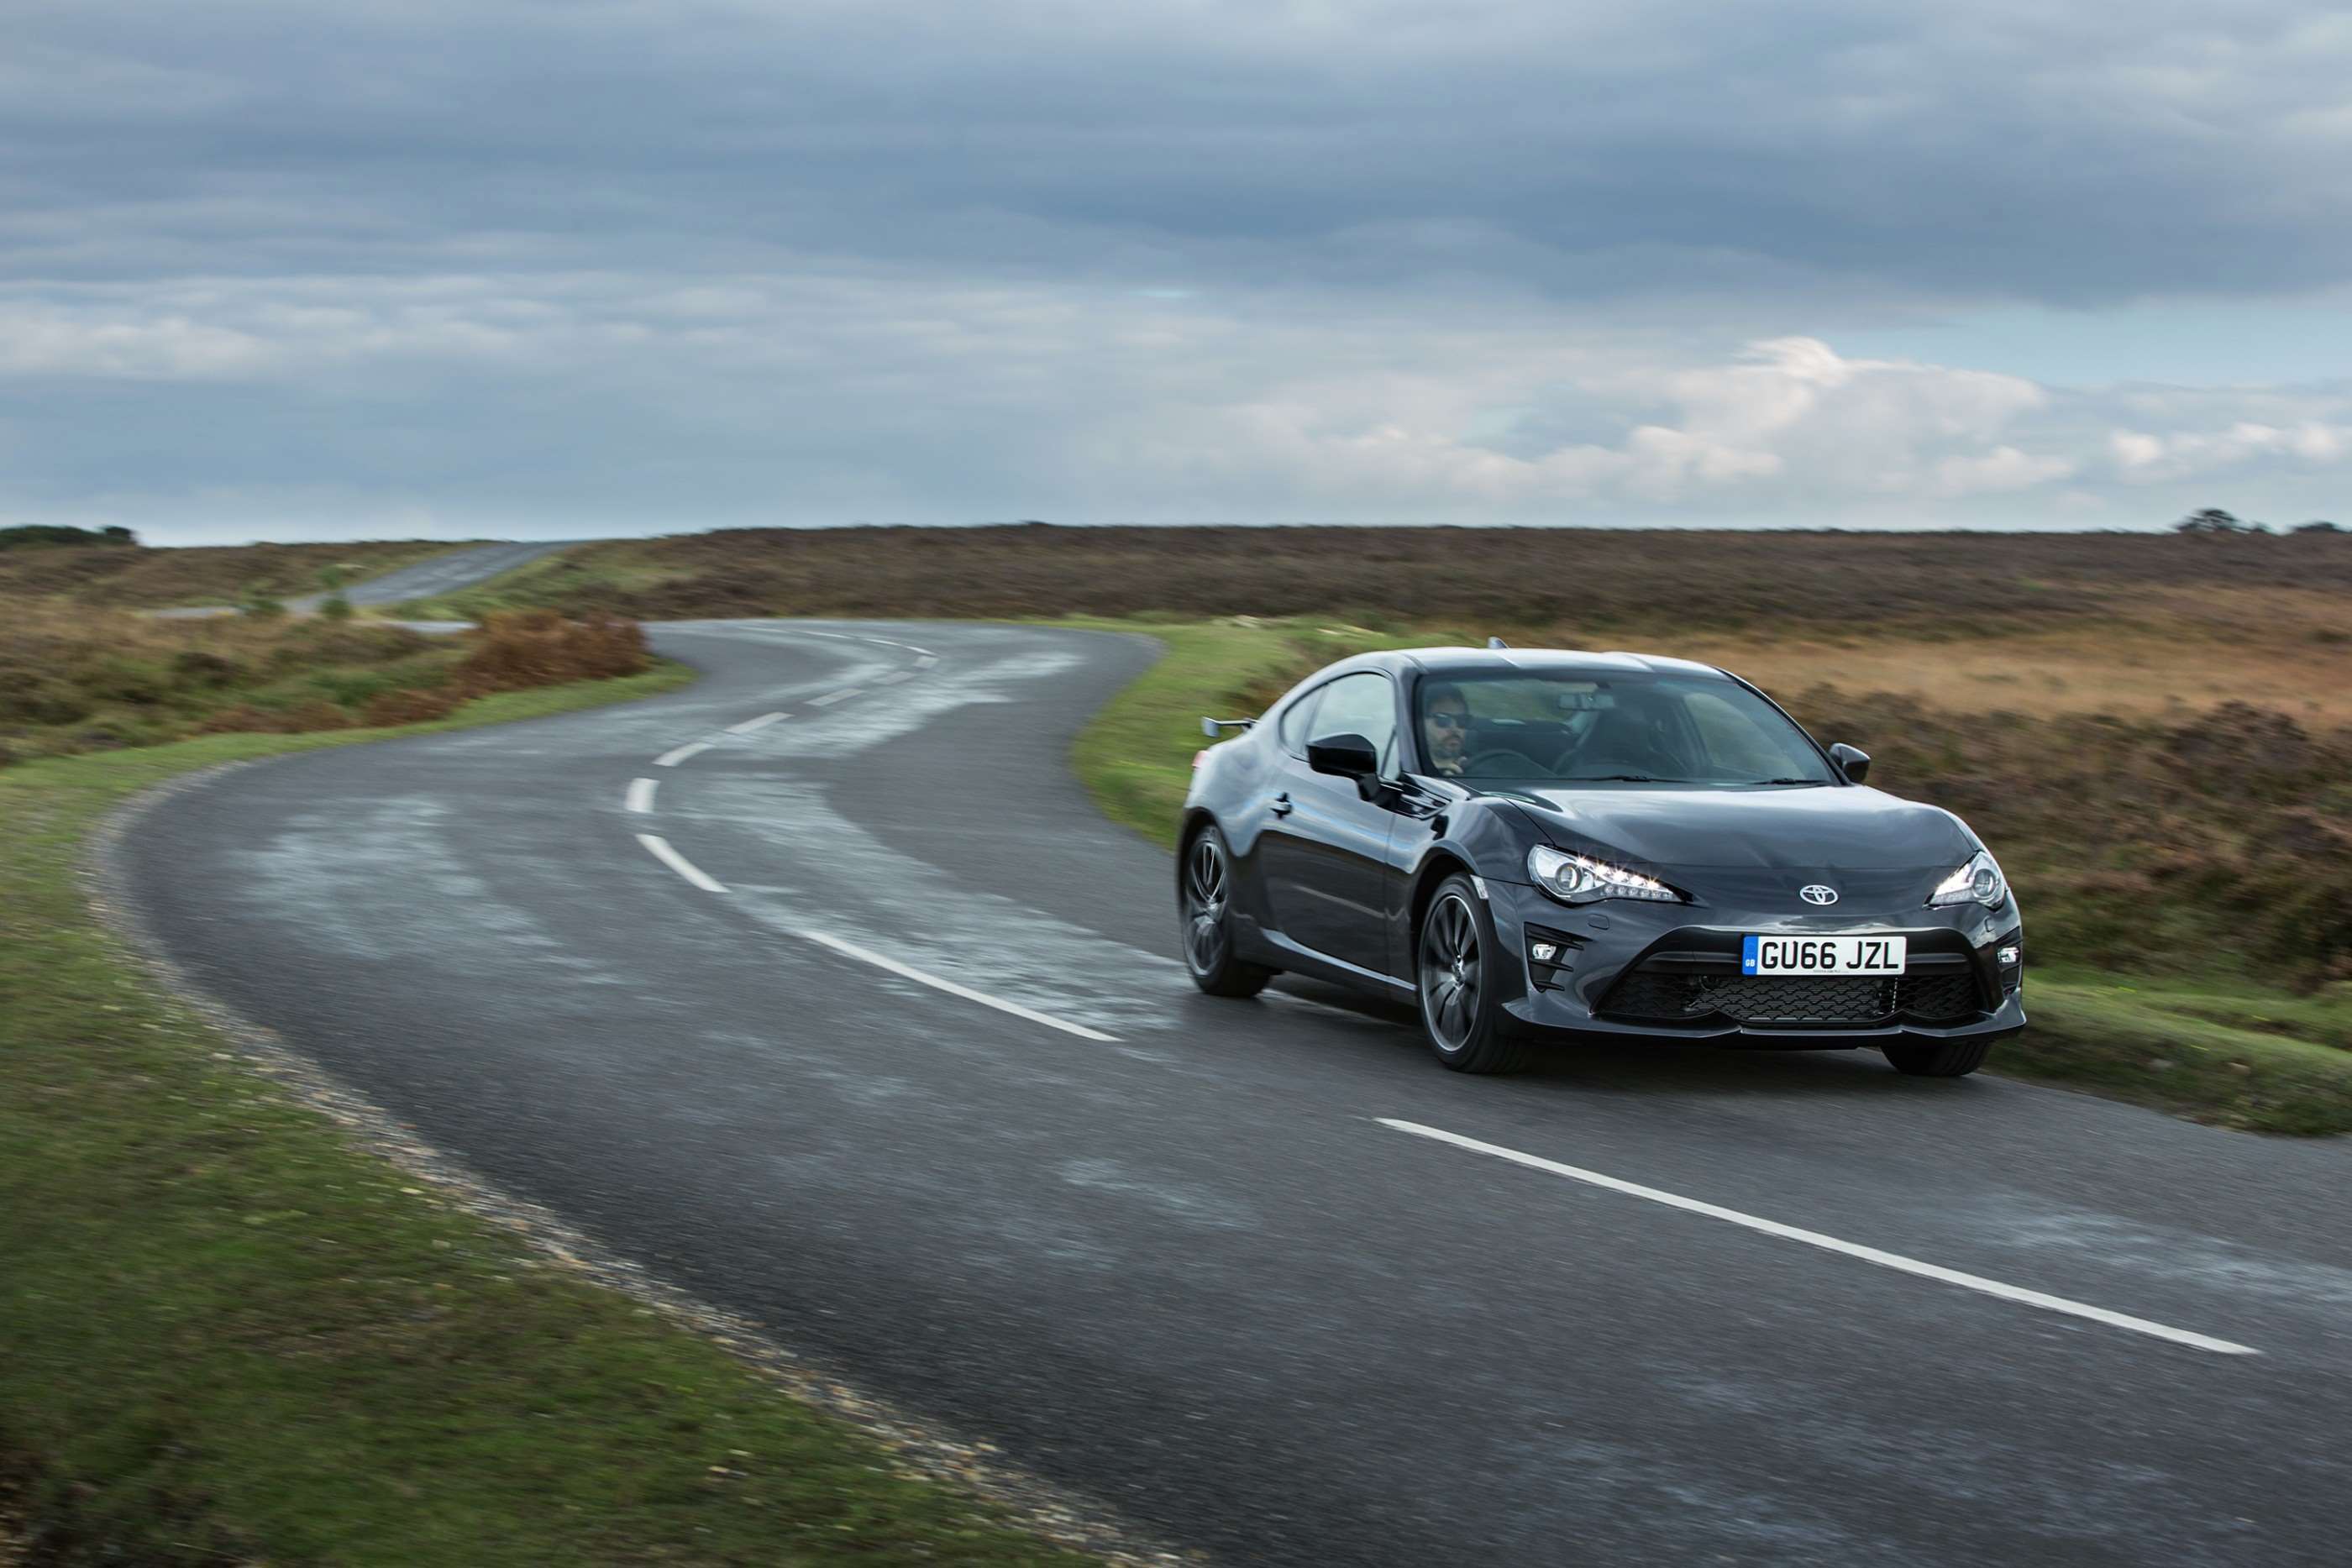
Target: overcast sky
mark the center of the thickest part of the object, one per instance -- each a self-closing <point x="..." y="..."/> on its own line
<point x="567" y="267"/>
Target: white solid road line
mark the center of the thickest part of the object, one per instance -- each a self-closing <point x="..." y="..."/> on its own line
<point x="831" y="697"/>
<point x="750" y="725"/>
<point x="641" y="794"/>
<point x="851" y="950"/>
<point x="679" y="864"/>
<point x="1831" y="1243"/>
<point x="697" y="875"/>
<point x="672" y="758"/>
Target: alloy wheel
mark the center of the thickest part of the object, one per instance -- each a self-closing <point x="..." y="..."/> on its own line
<point x="1450" y="971"/>
<point x="1205" y="892"/>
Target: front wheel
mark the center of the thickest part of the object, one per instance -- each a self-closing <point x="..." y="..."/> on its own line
<point x="1456" y="966"/>
<point x="1938" y="1059"/>
<point x="1204" y="911"/>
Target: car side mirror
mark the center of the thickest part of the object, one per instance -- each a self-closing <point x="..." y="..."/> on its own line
<point x="1344" y="756"/>
<point x="1852" y="761"/>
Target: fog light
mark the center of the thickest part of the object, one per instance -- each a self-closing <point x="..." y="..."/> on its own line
<point x="2008" y="955"/>
<point x="1544" y="952"/>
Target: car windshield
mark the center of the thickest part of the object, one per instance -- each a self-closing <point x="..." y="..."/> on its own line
<point x="1609" y="728"/>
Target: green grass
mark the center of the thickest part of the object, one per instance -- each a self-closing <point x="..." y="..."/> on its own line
<point x="2238" y="1053"/>
<point x="226" y="1335"/>
<point x="2242" y="1057"/>
<point x="1136" y="755"/>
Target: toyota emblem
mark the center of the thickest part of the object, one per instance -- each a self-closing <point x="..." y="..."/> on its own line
<point x="1814" y="893"/>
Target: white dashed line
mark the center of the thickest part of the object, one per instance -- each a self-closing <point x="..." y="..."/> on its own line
<point x="672" y="758"/>
<point x="679" y="864"/>
<point x="1831" y="1243"/>
<point x="851" y="950"/>
<point x="641" y="794"/>
<point x="894" y="678"/>
<point x="927" y="661"/>
<point x="749" y="724"/>
<point x="831" y="697"/>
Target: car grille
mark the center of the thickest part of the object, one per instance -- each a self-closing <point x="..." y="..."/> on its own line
<point x="1795" y="1001"/>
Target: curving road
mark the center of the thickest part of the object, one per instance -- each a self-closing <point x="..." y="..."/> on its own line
<point x="857" y="1020"/>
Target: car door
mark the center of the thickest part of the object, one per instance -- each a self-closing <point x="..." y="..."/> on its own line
<point x="1324" y="848"/>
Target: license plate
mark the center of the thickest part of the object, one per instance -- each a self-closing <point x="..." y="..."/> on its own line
<point x="1821" y="956"/>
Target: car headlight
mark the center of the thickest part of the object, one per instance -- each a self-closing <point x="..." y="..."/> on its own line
<point x="1579" y="878"/>
<point x="1978" y="881"/>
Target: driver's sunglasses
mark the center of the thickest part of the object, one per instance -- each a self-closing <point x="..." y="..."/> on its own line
<point x="1450" y="720"/>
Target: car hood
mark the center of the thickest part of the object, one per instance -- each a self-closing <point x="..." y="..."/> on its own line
<point x="1831" y="828"/>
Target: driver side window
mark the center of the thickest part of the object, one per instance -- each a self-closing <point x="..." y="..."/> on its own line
<point x="1361" y="705"/>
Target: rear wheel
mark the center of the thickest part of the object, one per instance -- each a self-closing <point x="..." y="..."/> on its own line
<point x="1205" y="913"/>
<point x="1454" y="968"/>
<point x="1939" y="1058"/>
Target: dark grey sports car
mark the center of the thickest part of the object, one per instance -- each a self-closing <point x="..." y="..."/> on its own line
<point x="1536" y="842"/>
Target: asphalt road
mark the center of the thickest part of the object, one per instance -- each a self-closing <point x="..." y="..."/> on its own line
<point x="1164" y="1249"/>
<point x="442" y="574"/>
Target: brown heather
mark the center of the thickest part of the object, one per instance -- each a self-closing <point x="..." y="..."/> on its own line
<point x="75" y="678"/>
<point x="137" y="577"/>
<point x="1676" y="581"/>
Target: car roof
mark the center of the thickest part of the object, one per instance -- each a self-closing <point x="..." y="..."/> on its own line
<point x="1533" y="661"/>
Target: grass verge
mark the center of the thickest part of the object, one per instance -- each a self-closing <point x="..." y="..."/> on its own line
<point x="226" y="1335"/>
<point x="2235" y="1054"/>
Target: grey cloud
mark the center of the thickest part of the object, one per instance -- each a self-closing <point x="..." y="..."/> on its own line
<point x="536" y="267"/>
<point x="1963" y="150"/>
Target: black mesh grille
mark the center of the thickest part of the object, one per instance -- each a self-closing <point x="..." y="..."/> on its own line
<point x="1795" y="1000"/>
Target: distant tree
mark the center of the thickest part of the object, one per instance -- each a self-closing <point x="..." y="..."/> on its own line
<point x="2320" y="526"/>
<point x="2214" y="520"/>
<point x="61" y="534"/>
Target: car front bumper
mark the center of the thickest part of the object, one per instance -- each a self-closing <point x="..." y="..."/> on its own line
<point x="1606" y="950"/>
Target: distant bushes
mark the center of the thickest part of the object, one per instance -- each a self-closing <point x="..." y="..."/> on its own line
<point x="73" y="679"/>
<point x="51" y="534"/>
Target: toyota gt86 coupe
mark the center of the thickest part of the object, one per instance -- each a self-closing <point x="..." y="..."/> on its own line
<point x="1537" y="843"/>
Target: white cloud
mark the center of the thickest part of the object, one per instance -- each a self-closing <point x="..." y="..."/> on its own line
<point x="2315" y="443"/>
<point x="38" y="340"/>
<point x="818" y="395"/>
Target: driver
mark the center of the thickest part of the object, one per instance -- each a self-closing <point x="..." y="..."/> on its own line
<point x="1445" y="727"/>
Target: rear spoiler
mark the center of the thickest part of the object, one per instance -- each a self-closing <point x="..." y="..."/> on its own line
<point x="1210" y="726"/>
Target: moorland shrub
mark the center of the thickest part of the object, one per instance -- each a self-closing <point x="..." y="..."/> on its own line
<point x="2226" y="833"/>
<point x="1488" y="580"/>
<point x="74" y="678"/>
<point x="514" y="649"/>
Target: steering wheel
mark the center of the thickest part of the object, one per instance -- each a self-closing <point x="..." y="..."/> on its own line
<point x="1504" y="754"/>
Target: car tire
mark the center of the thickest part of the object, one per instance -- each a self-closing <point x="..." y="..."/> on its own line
<point x="1205" y="888"/>
<point x="1454" y="959"/>
<point x="1938" y="1059"/>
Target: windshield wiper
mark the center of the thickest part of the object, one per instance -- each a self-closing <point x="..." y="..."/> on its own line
<point x="1815" y="782"/>
<point x="1622" y="778"/>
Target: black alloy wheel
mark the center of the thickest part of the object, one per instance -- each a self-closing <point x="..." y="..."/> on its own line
<point x="1204" y="905"/>
<point x="1457" y="971"/>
